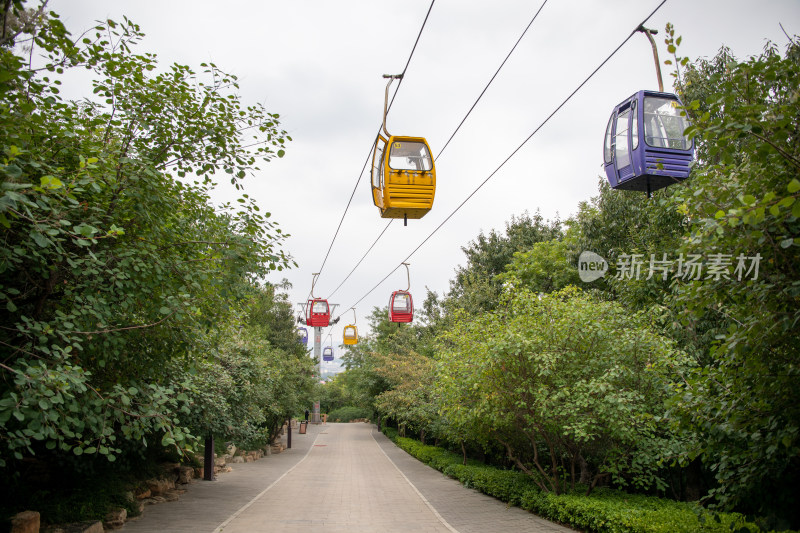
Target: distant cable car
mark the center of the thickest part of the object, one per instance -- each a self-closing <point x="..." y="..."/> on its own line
<point x="401" y="305"/>
<point x="645" y="148"/>
<point x="403" y="173"/>
<point x="302" y="334"/>
<point x="350" y="334"/>
<point x="351" y="331"/>
<point x="327" y="353"/>
<point x="318" y="313"/>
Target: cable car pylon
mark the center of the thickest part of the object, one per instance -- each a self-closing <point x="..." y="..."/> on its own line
<point x="317" y="313"/>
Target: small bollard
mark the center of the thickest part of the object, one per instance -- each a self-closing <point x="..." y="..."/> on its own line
<point x="289" y="436"/>
<point x="208" y="459"/>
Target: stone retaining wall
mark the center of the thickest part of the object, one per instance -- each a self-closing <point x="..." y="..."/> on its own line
<point x="164" y="488"/>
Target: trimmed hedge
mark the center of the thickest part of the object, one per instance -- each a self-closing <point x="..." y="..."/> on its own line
<point x="348" y="413"/>
<point x="604" y="511"/>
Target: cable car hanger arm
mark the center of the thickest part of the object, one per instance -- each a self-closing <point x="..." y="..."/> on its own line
<point x="391" y="78"/>
<point x="649" y="33"/>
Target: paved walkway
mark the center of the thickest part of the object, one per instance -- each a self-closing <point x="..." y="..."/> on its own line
<point x="337" y="478"/>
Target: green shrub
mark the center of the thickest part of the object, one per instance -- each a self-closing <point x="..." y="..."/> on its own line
<point x="604" y="511"/>
<point x="507" y="485"/>
<point x="613" y="511"/>
<point x="391" y="433"/>
<point x="346" y="414"/>
<point x="437" y="457"/>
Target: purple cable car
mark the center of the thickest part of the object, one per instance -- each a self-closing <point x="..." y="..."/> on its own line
<point x="327" y="353"/>
<point x="302" y="334"/>
<point x="645" y="147"/>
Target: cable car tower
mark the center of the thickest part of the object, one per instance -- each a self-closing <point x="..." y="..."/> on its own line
<point x="317" y="319"/>
<point x="403" y="174"/>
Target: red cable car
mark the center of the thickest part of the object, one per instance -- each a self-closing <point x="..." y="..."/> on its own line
<point x="401" y="307"/>
<point x="318" y="313"/>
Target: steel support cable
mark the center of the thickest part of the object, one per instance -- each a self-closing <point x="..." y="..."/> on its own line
<point x="402" y="76"/>
<point x="454" y="131"/>
<point x="362" y="258"/>
<point x="545" y="121"/>
<point x="491" y="80"/>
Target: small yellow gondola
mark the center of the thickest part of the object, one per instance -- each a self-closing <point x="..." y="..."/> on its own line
<point x="350" y="334"/>
<point x="403" y="173"/>
<point x="351" y="331"/>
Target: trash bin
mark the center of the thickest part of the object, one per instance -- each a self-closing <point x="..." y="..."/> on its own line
<point x="303" y="426"/>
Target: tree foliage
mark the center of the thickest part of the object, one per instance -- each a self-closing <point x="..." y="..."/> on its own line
<point x="742" y="201"/>
<point x="122" y="286"/>
<point x="475" y="287"/>
<point x="564" y="381"/>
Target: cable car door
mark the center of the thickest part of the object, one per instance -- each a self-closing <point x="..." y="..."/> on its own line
<point x="377" y="171"/>
<point x="622" y="147"/>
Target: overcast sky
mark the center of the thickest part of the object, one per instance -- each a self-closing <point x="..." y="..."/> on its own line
<point x="319" y="63"/>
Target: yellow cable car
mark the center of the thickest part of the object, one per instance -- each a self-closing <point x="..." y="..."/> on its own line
<point x="350" y="334"/>
<point x="403" y="173"/>
<point x="351" y="331"/>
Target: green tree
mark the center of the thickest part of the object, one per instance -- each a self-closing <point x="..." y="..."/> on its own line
<point x="115" y="264"/>
<point x="409" y="400"/>
<point x="566" y="383"/>
<point x="742" y="202"/>
<point x="542" y="269"/>
<point x="475" y="286"/>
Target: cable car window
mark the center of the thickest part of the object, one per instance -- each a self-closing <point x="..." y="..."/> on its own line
<point x="401" y="303"/>
<point x="622" y="154"/>
<point x="320" y="307"/>
<point x="607" y="146"/>
<point x="409" y="155"/>
<point x="664" y="125"/>
<point x="377" y="164"/>
<point x="634" y="127"/>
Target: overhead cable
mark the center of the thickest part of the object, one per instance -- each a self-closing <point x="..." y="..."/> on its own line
<point x="517" y="149"/>
<point x="402" y="76"/>
<point x="457" y="127"/>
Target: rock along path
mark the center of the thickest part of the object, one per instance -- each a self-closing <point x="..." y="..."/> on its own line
<point x="337" y="478"/>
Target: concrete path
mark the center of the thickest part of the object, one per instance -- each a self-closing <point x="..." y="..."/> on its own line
<point x="337" y="478"/>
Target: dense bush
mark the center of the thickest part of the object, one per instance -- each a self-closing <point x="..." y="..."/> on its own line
<point x="431" y="455"/>
<point x="347" y="414"/>
<point x="604" y="511"/>
<point x="135" y="313"/>
<point x="613" y="511"/>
